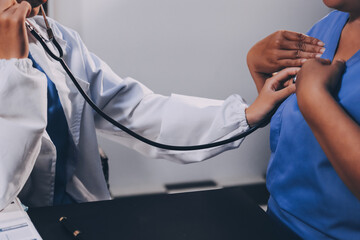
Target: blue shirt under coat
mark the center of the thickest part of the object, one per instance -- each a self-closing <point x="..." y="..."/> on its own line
<point x="58" y="130"/>
<point x="306" y="192"/>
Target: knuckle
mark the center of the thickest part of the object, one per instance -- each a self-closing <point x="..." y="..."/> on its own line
<point x="311" y="55"/>
<point x="301" y="46"/>
<point x="26" y="4"/>
<point x="301" y="37"/>
<point x="314" y="41"/>
<point x="281" y="32"/>
<point x="313" y="48"/>
<point x="277" y="43"/>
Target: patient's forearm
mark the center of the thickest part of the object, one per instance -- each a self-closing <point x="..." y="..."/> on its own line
<point x="337" y="133"/>
<point x="259" y="78"/>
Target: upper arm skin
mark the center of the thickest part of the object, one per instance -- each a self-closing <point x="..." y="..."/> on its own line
<point x="337" y="133"/>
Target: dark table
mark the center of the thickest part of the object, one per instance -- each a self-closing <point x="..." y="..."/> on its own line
<point x="218" y="214"/>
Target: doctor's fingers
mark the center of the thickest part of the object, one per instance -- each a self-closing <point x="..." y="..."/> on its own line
<point x="16" y="14"/>
<point x="19" y="10"/>
<point x="5" y="4"/>
<point x="285" y="92"/>
<point x="13" y="35"/>
<point x="280" y="80"/>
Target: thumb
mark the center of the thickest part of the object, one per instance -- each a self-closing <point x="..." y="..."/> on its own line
<point x="285" y="92"/>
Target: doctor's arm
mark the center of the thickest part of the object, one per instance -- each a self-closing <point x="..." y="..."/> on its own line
<point x="337" y="133"/>
<point x="22" y="124"/>
<point x="279" y="50"/>
<point x="175" y="120"/>
<point x="23" y="103"/>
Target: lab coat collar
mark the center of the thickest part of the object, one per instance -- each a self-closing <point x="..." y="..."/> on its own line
<point x="71" y="100"/>
<point x="39" y="23"/>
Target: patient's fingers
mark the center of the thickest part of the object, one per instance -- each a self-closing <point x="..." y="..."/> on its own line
<point x="293" y="54"/>
<point x="292" y="62"/>
<point x="302" y="46"/>
<point x="294" y="36"/>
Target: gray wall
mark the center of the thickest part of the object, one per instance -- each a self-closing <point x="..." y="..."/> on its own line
<point x="192" y="47"/>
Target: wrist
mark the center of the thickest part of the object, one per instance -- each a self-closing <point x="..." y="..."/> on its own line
<point x="250" y="117"/>
<point x="247" y="116"/>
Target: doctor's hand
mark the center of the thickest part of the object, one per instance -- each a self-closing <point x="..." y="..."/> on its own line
<point x="280" y="50"/>
<point x="13" y="33"/>
<point x="275" y="90"/>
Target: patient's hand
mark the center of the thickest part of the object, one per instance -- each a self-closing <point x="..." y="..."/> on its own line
<point x="275" y="90"/>
<point x="280" y="50"/>
<point x="318" y="74"/>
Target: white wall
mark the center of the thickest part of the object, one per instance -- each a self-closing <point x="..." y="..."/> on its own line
<point x="193" y="47"/>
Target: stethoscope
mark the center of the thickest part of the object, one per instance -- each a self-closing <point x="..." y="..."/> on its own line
<point x="43" y="41"/>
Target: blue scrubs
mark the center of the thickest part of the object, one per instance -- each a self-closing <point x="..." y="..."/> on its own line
<point x="306" y="193"/>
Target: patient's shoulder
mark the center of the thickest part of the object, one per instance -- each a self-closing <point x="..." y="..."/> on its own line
<point x="325" y="26"/>
<point x="334" y="17"/>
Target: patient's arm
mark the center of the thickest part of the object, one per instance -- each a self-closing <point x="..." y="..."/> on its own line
<point x="280" y="50"/>
<point x="337" y="133"/>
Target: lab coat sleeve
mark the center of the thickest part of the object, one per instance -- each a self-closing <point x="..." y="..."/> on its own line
<point x="177" y="120"/>
<point x="181" y="121"/>
<point x="22" y="124"/>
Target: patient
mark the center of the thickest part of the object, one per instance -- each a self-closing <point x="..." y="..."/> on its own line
<point x="314" y="172"/>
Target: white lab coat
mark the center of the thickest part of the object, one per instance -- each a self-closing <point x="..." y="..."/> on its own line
<point x="27" y="155"/>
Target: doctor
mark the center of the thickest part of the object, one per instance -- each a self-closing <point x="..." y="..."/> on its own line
<point x="48" y="147"/>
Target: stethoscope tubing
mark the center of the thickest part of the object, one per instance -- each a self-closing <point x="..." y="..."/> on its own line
<point x="127" y="130"/>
